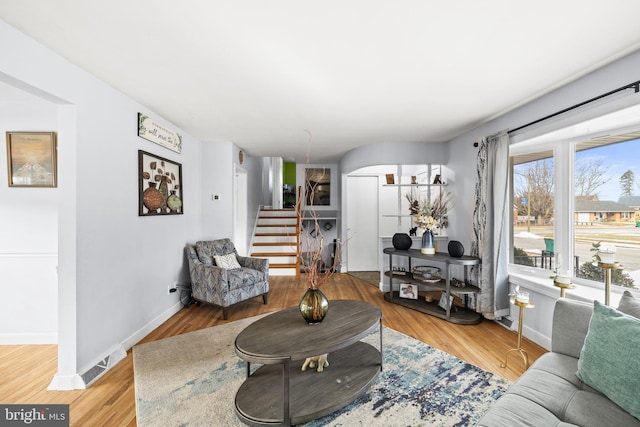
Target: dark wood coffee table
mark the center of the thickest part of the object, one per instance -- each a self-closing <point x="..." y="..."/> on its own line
<point x="279" y="392"/>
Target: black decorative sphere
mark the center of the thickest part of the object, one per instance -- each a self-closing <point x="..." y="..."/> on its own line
<point x="456" y="249"/>
<point x="402" y="241"/>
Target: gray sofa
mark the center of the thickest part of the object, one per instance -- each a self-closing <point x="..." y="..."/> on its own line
<point x="549" y="393"/>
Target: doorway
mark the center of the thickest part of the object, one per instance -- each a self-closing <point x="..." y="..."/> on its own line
<point x="240" y="239"/>
<point x="362" y="223"/>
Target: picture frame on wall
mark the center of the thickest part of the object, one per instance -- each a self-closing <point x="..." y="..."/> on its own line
<point x="159" y="186"/>
<point x="318" y="186"/>
<point x="32" y="159"/>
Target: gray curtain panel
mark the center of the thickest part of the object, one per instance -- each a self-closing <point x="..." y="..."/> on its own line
<point x="491" y="226"/>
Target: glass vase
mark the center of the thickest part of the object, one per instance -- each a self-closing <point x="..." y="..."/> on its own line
<point x="313" y="306"/>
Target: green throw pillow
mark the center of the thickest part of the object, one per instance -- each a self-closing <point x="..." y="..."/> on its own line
<point x="609" y="359"/>
<point x="629" y="305"/>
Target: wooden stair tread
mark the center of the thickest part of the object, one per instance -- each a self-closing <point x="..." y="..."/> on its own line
<point x="277" y="225"/>
<point x="273" y="254"/>
<point x="275" y="234"/>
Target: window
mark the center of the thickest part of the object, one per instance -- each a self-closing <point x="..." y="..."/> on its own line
<point x="574" y="192"/>
<point x="606" y="191"/>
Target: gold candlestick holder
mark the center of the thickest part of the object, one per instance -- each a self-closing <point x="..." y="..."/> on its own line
<point x="608" y="268"/>
<point x="519" y="349"/>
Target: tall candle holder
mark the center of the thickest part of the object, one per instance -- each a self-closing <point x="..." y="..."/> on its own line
<point x="608" y="268"/>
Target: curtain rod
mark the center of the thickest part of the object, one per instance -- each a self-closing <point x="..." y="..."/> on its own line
<point x="635" y="86"/>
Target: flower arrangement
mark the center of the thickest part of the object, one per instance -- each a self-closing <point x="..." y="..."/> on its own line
<point x="430" y="215"/>
<point x="427" y="222"/>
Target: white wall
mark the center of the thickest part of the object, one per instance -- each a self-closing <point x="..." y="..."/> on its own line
<point x="114" y="266"/>
<point x="28" y="239"/>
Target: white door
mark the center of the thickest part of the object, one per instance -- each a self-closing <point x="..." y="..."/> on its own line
<point x="240" y="210"/>
<point x="362" y="223"/>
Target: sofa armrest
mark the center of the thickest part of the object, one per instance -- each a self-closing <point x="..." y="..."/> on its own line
<point x="570" y="325"/>
<point x="260" y="264"/>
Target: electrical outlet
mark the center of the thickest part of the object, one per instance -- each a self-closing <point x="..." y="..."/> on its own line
<point x="172" y="287"/>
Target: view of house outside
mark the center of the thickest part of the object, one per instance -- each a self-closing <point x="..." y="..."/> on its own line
<point x="607" y="210"/>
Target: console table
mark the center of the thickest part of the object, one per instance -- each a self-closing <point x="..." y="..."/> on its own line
<point x="460" y="315"/>
<point x="279" y="392"/>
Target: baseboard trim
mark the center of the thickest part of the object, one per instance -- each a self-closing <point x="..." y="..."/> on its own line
<point x="66" y="382"/>
<point x="99" y="367"/>
<point x="29" y="338"/>
<point x="149" y="327"/>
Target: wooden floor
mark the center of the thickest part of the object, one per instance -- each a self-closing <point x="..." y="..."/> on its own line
<point x="26" y="371"/>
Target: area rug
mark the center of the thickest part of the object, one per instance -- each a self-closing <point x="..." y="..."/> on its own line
<point x="191" y="380"/>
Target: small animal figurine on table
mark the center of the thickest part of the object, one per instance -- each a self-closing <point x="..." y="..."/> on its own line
<point x="320" y="360"/>
<point x="413" y="231"/>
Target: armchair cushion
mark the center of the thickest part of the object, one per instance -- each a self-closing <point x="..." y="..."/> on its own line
<point x="227" y="261"/>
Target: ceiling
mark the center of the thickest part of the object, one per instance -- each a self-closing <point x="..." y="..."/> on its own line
<point x="351" y="72"/>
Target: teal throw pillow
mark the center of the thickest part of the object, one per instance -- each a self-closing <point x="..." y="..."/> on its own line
<point x="629" y="305"/>
<point x="609" y="359"/>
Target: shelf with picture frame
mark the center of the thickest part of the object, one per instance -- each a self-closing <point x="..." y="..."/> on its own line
<point x="441" y="308"/>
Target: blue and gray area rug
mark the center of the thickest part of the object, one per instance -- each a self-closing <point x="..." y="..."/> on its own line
<point x="191" y="380"/>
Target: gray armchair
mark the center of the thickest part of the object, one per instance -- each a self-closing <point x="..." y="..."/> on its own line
<point x="225" y="287"/>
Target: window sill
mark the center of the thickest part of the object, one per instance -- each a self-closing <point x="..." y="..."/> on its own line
<point x="579" y="293"/>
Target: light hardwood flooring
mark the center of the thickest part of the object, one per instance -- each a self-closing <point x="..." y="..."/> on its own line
<point x="26" y="371"/>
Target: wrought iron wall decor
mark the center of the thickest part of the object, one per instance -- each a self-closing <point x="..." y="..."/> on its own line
<point x="159" y="185"/>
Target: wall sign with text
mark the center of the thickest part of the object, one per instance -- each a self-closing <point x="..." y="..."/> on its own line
<point x="152" y="131"/>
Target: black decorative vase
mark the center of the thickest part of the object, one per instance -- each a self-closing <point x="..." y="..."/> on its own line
<point x="313" y="306"/>
<point x="456" y="249"/>
<point x="401" y="241"/>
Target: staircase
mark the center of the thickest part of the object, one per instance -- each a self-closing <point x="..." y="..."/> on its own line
<point x="276" y="238"/>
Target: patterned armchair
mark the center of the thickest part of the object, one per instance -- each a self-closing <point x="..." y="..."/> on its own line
<point x="213" y="284"/>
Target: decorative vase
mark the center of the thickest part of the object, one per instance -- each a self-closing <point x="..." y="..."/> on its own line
<point x="173" y="202"/>
<point x="401" y="241"/>
<point x="456" y="249"/>
<point x="164" y="190"/>
<point x="428" y="244"/>
<point x="152" y="198"/>
<point x="313" y="306"/>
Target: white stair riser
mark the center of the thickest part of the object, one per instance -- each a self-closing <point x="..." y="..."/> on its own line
<point x="280" y="259"/>
<point x="278" y="213"/>
<point x="291" y="221"/>
<point x="275" y="249"/>
<point x="289" y="239"/>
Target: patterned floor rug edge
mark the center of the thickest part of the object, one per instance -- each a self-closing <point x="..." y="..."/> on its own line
<point x="190" y="380"/>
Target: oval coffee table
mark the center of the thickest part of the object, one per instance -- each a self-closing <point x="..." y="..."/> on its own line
<point x="279" y="392"/>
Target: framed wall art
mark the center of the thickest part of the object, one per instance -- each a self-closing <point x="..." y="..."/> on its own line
<point x="32" y="159"/>
<point x="159" y="185"/>
<point x="318" y="186"/>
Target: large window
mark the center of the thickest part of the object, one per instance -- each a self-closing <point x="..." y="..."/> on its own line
<point x="607" y="197"/>
<point x="573" y="193"/>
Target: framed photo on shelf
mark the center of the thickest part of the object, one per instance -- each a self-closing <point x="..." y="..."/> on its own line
<point x="159" y="186"/>
<point x="32" y="159"/>
<point x="446" y="301"/>
<point x="409" y="291"/>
